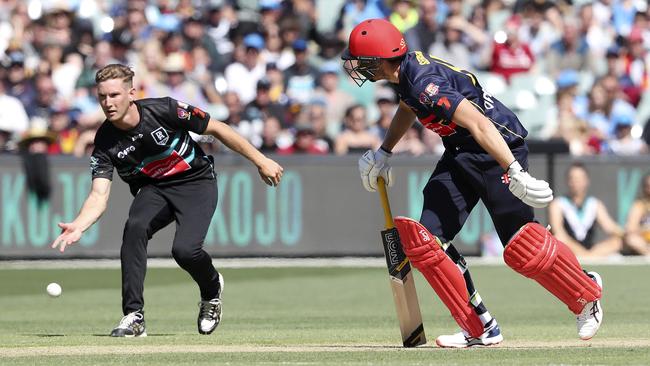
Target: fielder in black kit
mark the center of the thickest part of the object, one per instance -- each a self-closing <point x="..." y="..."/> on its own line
<point x="148" y="142"/>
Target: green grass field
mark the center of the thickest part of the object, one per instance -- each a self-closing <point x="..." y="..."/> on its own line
<point x="313" y="316"/>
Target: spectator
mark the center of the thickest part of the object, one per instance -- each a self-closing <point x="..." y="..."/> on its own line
<point x="411" y="143"/>
<point x="356" y="137"/>
<point x="404" y="15"/>
<point x="575" y="217"/>
<point x="511" y="56"/>
<point x="336" y="100"/>
<point x="423" y="34"/>
<point x="270" y="135"/>
<point x="536" y="30"/>
<point x="242" y="77"/>
<point x="13" y="120"/>
<point x="387" y="105"/>
<point x="175" y="85"/>
<point x="305" y="143"/>
<point x="317" y="118"/>
<point x="636" y="68"/>
<point x="46" y="97"/>
<point x="263" y="107"/>
<point x="623" y="143"/>
<point x="18" y="84"/>
<point x="451" y="48"/>
<point x="570" y="52"/>
<point x="637" y="228"/>
<point x="220" y="21"/>
<point x="195" y="36"/>
<point x="301" y="77"/>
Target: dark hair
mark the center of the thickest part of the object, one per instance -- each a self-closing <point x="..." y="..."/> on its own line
<point x="577" y="165"/>
<point x="350" y="109"/>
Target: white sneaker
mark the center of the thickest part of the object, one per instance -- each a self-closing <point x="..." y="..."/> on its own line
<point x="210" y="312"/>
<point x="491" y="336"/>
<point x="591" y="316"/>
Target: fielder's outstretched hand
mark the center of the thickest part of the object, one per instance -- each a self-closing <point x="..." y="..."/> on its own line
<point x="70" y="234"/>
<point x="372" y="165"/>
<point x="533" y="192"/>
<point x="271" y="172"/>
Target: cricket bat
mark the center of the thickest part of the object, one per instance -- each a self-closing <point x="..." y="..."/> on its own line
<point x="401" y="279"/>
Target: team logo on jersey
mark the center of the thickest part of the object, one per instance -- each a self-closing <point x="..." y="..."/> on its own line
<point x="160" y="136"/>
<point x="431" y="89"/>
<point x="424" y="99"/>
<point x="183" y="113"/>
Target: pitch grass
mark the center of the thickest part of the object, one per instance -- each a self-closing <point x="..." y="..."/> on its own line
<point x="312" y="316"/>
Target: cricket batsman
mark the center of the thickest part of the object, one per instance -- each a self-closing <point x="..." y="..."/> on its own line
<point x="485" y="158"/>
<point x="148" y="142"/>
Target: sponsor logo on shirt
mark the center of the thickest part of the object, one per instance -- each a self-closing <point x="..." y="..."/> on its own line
<point x="424" y="99"/>
<point x="122" y="154"/>
<point x="136" y="137"/>
<point x="160" y="136"/>
<point x="173" y="164"/>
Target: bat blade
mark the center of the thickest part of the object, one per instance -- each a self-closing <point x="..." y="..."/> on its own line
<point x="403" y="288"/>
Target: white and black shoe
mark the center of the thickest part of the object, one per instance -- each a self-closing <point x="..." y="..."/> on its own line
<point x="131" y="325"/>
<point x="591" y="317"/>
<point x="491" y="336"/>
<point x="210" y="312"/>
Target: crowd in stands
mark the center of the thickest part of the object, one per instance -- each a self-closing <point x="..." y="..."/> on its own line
<point x="574" y="70"/>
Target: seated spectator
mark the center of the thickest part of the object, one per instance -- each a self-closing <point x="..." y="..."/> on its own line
<point x="242" y="77"/>
<point x="301" y="76"/>
<point x="404" y="15"/>
<point x="387" y="105"/>
<point x="451" y="47"/>
<point x="575" y="217"/>
<point x="423" y="34"/>
<point x="623" y="143"/>
<point x="510" y="55"/>
<point x="270" y="135"/>
<point x="570" y="52"/>
<point x="176" y="85"/>
<point x="357" y="137"/>
<point x="305" y="143"/>
<point x="337" y="100"/>
<point x="13" y="120"/>
<point x="411" y="143"/>
<point x="638" y="222"/>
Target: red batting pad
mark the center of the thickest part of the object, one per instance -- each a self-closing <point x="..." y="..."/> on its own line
<point x="536" y="253"/>
<point x="424" y="252"/>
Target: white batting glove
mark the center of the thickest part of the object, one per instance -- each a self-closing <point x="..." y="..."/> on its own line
<point x="374" y="164"/>
<point x="531" y="191"/>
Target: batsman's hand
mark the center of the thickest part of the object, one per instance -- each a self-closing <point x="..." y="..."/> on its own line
<point x="372" y="165"/>
<point x="533" y="192"/>
<point x="70" y="234"/>
<point x="270" y="172"/>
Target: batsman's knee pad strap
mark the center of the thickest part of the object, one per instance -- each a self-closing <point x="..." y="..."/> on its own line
<point x="424" y="251"/>
<point x="535" y="253"/>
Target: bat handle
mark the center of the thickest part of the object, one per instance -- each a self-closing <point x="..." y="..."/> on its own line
<point x="388" y="216"/>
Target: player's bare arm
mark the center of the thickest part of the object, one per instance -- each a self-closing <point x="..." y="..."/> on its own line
<point x="270" y="171"/>
<point x="90" y="212"/>
<point x="533" y="192"/>
<point x="484" y="133"/>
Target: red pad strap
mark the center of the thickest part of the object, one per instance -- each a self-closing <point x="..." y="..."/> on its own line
<point x="424" y="252"/>
<point x="535" y="253"/>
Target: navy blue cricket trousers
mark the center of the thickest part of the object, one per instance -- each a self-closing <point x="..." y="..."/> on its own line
<point x="459" y="180"/>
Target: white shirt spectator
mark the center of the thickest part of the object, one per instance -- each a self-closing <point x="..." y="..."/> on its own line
<point x="12" y="115"/>
<point x="244" y="81"/>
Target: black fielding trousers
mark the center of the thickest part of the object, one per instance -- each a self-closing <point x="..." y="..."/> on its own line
<point x="191" y="204"/>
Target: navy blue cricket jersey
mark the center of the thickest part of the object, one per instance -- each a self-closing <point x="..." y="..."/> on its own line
<point x="433" y="88"/>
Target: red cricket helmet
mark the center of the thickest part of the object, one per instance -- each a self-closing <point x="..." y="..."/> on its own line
<point x="371" y="41"/>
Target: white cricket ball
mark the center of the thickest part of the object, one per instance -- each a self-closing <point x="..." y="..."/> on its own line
<point x="54" y="289"/>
